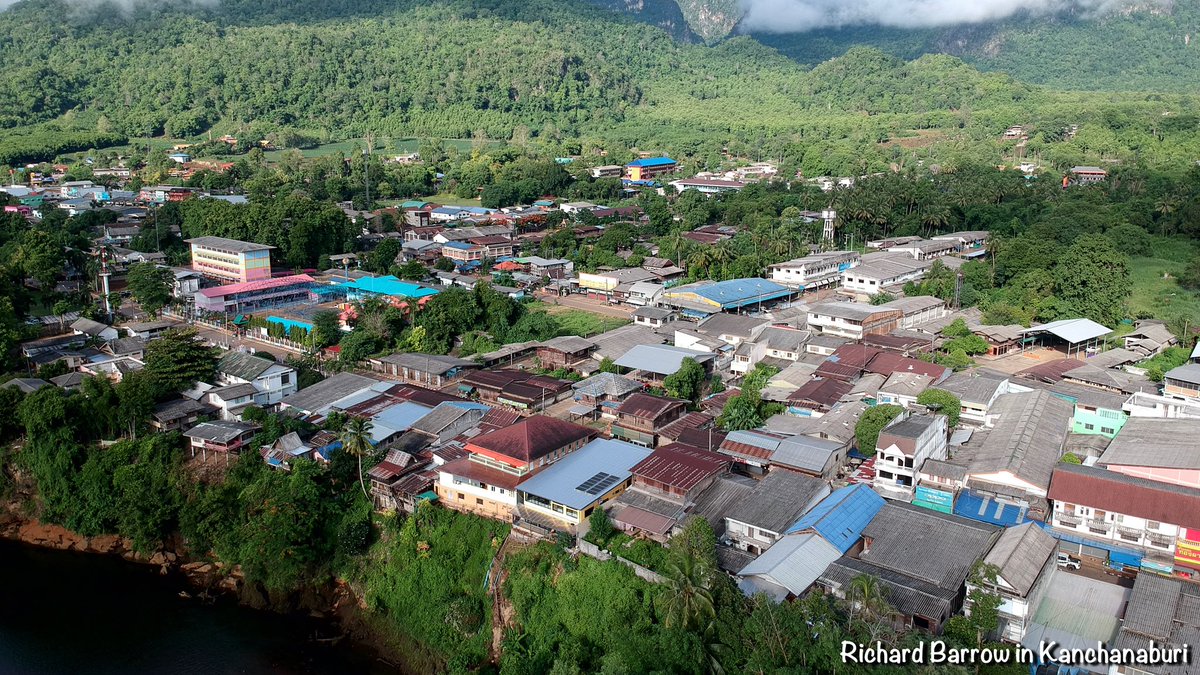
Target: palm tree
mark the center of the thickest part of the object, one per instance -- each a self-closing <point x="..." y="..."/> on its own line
<point x="356" y="441"/>
<point x="688" y="599"/>
<point x="866" y="593"/>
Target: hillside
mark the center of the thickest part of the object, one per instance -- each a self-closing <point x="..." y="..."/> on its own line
<point x="451" y="68"/>
<point x="562" y="73"/>
<point x="1151" y="49"/>
<point x="1142" y="45"/>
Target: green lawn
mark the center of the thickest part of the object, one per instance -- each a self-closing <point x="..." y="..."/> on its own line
<point x="580" y="322"/>
<point x="451" y="199"/>
<point x="1156" y="292"/>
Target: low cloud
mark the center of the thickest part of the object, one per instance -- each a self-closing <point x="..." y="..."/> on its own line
<point x="81" y="6"/>
<point x="789" y="16"/>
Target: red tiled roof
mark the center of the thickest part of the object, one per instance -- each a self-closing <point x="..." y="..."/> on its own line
<point x="838" y="371"/>
<point x="886" y="363"/>
<point x="680" y="466"/>
<point x="1117" y="493"/>
<point x="531" y="438"/>
<point x="422" y="395"/>
<point x="1051" y="371"/>
<point x="498" y="418"/>
<point x="644" y="520"/>
<point x="854" y="355"/>
<point x="476" y="471"/>
<point x="702" y="438"/>
<point x="692" y="420"/>
<point x="821" y="393"/>
<point x="646" y="406"/>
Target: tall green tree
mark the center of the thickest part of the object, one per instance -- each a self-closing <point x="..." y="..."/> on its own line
<point x="356" y="442"/>
<point x="178" y="359"/>
<point x="150" y="286"/>
<point x="1092" y="280"/>
<point x="687" y="383"/>
<point x="870" y="423"/>
<point x="944" y="403"/>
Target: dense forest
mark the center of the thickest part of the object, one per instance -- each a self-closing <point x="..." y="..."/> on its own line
<point x="561" y="74"/>
<point x="1149" y="48"/>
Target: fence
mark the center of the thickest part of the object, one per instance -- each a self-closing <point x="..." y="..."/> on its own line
<point x="593" y="551"/>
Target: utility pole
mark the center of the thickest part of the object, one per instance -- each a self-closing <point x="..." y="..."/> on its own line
<point x="370" y="141"/>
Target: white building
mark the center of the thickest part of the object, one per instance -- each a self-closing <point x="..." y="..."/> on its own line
<point x="852" y="319"/>
<point x="902" y="448"/>
<point x="272" y="380"/>
<point x="1025" y="557"/>
<point x="814" y="271"/>
<point x="882" y="271"/>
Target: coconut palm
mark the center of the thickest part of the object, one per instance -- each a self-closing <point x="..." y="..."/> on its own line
<point x="688" y="601"/>
<point x="866" y="594"/>
<point x="356" y="441"/>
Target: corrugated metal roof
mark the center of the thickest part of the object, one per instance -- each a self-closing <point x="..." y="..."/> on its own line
<point x="794" y="562"/>
<point x="841" y="517"/>
<point x="568" y="480"/>
<point x="660" y="359"/>
<point x="777" y="500"/>
<point x="1071" y="330"/>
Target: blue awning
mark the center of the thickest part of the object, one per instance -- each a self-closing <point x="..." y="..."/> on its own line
<point x="988" y="510"/>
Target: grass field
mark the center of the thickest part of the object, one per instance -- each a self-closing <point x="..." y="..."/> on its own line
<point x="451" y="199"/>
<point x="1156" y="292"/>
<point x="580" y="322"/>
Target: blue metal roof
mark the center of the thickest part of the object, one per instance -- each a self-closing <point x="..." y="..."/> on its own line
<point x="740" y="292"/>
<point x="460" y="245"/>
<point x="987" y="510"/>
<point x="401" y="416"/>
<point x="841" y="517"/>
<point x="388" y="285"/>
<point x="652" y="161"/>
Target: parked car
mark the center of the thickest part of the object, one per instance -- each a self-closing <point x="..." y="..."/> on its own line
<point x="1067" y="562"/>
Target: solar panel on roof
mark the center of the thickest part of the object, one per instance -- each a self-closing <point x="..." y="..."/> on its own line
<point x="598" y="483"/>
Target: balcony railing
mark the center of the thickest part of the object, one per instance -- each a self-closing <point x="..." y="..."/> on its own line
<point x="1072" y="521"/>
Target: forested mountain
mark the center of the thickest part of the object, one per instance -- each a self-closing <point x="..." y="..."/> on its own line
<point x="1137" y="45"/>
<point x="562" y="73"/>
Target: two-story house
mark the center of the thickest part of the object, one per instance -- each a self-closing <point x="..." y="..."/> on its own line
<point x="1025" y="559"/>
<point x="219" y="437"/>
<point x="852" y="319"/>
<point x="902" y="449"/>
<point x="1138" y="522"/>
<point x="485" y="481"/>
<point x="272" y="380"/>
<point x="776" y="502"/>
<point x="641" y="416"/>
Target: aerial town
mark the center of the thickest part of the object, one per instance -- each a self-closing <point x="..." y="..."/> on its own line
<point x="826" y="422"/>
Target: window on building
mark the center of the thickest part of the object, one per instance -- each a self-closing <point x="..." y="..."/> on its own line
<point x="1107" y="430"/>
<point x="286" y="378"/>
<point x="1152" y="525"/>
<point x="1089" y="427"/>
<point x="461" y="496"/>
<point x="478" y="501"/>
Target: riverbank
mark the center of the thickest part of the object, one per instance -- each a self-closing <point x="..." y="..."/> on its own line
<point x="332" y="616"/>
<point x="67" y="611"/>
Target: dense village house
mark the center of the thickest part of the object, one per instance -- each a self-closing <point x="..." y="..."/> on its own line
<point x="674" y="473"/>
<point x="776" y="502"/>
<point x="815" y="271"/>
<point x="230" y="260"/>
<point x="921" y="559"/>
<point x="851" y="319"/>
<point x="1025" y="559"/>
<point x="273" y="380"/>
<point x="565" y="493"/>
<point x="220" y="437"/>
<point x="485" y="482"/>
<point x="902" y="448"/>
<point x="1162" y="611"/>
<point x="429" y="370"/>
<point x="831" y="529"/>
<point x="1127" y="521"/>
<point x="640" y="417"/>
<point x="1162" y="450"/>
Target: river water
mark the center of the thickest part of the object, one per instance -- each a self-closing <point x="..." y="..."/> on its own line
<point x="77" y="613"/>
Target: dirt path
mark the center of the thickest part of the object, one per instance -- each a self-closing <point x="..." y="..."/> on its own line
<point x="502" y="609"/>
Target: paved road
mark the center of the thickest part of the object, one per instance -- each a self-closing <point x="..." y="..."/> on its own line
<point x="589" y="305"/>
